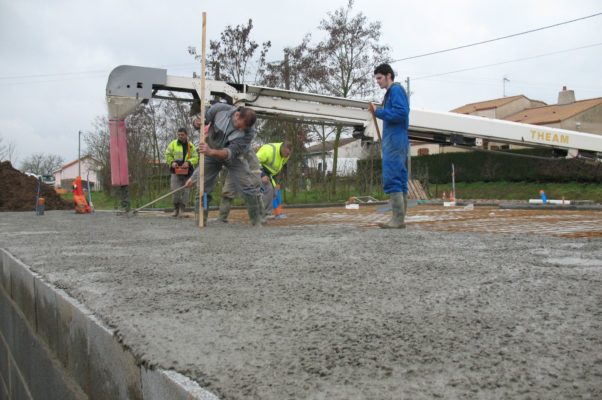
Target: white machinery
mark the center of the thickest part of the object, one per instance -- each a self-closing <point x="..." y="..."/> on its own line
<point x="129" y="86"/>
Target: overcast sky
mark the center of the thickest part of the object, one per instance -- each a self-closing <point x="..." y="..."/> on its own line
<point x="56" y="55"/>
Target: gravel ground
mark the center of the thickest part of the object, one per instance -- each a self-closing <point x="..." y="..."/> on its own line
<point x="328" y="312"/>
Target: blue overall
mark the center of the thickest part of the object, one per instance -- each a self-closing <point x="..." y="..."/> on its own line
<point x="395" y="142"/>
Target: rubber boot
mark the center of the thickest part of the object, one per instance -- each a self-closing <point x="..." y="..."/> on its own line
<point x="224" y="209"/>
<point x="261" y="207"/>
<point x="253" y="205"/>
<point x="176" y="210"/>
<point x="205" y="216"/>
<point x="398" y="209"/>
<point x="405" y="204"/>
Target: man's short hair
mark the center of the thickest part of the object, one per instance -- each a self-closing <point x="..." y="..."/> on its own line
<point x="183" y="130"/>
<point x="384" y="69"/>
<point x="287" y="145"/>
<point x="248" y="115"/>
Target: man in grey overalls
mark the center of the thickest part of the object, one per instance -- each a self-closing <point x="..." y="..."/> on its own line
<point x="231" y="131"/>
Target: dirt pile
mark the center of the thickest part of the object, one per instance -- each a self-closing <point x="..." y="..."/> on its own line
<point x="18" y="191"/>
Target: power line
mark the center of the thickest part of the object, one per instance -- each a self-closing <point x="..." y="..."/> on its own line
<point x="507" y="62"/>
<point x="496" y="39"/>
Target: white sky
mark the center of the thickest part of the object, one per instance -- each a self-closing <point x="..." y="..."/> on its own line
<point x="52" y="38"/>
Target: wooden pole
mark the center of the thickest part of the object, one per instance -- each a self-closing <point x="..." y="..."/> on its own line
<point x="159" y="198"/>
<point x="377" y="127"/>
<point x="202" y="196"/>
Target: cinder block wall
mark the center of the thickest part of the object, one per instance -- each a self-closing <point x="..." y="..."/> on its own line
<point x="51" y="347"/>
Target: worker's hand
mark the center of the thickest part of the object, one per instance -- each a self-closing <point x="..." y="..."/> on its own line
<point x="185" y="164"/>
<point x="265" y="179"/>
<point x="371" y="108"/>
<point x="174" y="164"/>
<point x="205" y="149"/>
<point x="188" y="183"/>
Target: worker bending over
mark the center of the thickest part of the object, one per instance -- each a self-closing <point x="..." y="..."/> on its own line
<point x="231" y="131"/>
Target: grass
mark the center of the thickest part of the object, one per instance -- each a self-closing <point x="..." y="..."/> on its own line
<point x="520" y="190"/>
<point x="472" y="190"/>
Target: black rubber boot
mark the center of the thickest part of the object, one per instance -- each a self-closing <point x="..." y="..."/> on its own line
<point x="224" y="209"/>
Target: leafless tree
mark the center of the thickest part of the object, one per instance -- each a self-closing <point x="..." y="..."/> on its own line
<point x="349" y="54"/>
<point x="42" y="163"/>
<point x="7" y="151"/>
<point x="232" y="57"/>
<point x="97" y="142"/>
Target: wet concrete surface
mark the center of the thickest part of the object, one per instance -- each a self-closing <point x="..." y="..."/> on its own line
<point x="334" y="310"/>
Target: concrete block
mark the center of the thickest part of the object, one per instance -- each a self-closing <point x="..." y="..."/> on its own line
<point x="115" y="372"/>
<point x="4" y="394"/>
<point x="6" y="322"/>
<point x="21" y="283"/>
<point x="21" y="344"/>
<point x="72" y="342"/>
<point x="4" y="271"/>
<point x="159" y="385"/>
<point x="46" y="314"/>
<point x="18" y="389"/>
<point x="48" y="379"/>
<point x="4" y="363"/>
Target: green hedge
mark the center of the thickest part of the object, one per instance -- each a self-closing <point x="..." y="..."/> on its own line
<point x="488" y="167"/>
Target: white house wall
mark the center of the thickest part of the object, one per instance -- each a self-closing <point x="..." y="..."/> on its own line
<point x="71" y="172"/>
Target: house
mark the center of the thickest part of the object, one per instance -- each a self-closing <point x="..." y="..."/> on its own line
<point x="90" y="168"/>
<point x="319" y="157"/>
<point x="499" y="108"/>
<point x="582" y="115"/>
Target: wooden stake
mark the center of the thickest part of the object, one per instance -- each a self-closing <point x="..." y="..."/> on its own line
<point x="377" y="127"/>
<point x="202" y="129"/>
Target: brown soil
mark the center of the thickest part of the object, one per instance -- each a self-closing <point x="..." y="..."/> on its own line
<point x="18" y="191"/>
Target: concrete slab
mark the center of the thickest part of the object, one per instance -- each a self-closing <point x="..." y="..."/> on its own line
<point x="341" y="310"/>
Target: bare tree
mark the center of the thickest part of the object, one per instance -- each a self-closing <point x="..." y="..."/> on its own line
<point x="7" y="151"/>
<point x="349" y="54"/>
<point x="97" y="142"/>
<point x="42" y="163"/>
<point x="230" y="56"/>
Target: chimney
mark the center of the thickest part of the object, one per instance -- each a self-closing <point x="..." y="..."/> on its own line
<point x="566" y="96"/>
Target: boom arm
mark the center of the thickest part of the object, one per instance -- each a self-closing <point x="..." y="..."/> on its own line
<point x="129" y="86"/>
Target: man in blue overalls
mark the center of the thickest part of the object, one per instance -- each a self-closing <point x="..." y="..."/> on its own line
<point x="395" y="143"/>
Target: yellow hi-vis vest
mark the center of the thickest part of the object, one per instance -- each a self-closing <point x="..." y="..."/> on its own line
<point x="175" y="152"/>
<point x="270" y="159"/>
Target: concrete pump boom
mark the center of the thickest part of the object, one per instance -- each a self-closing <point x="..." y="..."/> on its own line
<point x="130" y="86"/>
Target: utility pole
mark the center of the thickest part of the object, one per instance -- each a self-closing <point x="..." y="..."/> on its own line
<point x="79" y="156"/>
<point x="408" y="86"/>
<point x="504" y="80"/>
